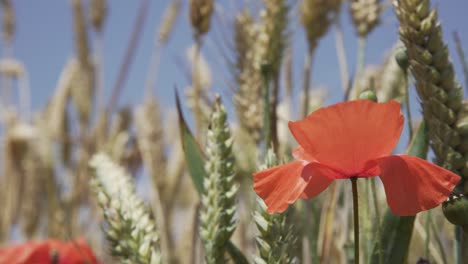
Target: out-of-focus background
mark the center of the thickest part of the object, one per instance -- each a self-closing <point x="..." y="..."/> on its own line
<point x="44" y="41"/>
<point x="72" y="87"/>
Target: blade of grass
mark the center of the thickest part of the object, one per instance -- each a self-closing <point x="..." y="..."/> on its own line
<point x="193" y="154"/>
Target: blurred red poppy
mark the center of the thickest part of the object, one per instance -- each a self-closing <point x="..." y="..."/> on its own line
<point x="48" y="252"/>
<point x="354" y="139"/>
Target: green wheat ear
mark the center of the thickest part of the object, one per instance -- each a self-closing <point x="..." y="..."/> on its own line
<point x="219" y="197"/>
<point x="130" y="230"/>
<point x="277" y="239"/>
<point x="440" y="93"/>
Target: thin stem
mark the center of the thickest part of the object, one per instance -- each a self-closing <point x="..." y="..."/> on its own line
<point x="461" y="54"/>
<point x="329" y="210"/>
<point x="458" y="247"/>
<point x="377" y="219"/>
<point x="24" y="96"/>
<point x="361" y="59"/>
<point x="152" y="71"/>
<point x="408" y="108"/>
<point x="5" y="81"/>
<point x="129" y="55"/>
<point x="356" y="219"/>
<point x="161" y="217"/>
<point x="306" y="83"/>
<point x="428" y="234"/>
<point x="367" y="218"/>
<point x="341" y="53"/>
<point x="100" y="92"/>
<point x="464" y="244"/>
<point x="195" y="238"/>
<point x="266" y="111"/>
<point x="274" y="114"/>
<point x="196" y="87"/>
<point x="439" y="243"/>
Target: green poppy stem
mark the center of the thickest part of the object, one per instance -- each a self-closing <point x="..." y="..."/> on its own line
<point x="356" y="220"/>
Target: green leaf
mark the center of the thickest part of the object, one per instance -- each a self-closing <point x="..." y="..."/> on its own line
<point x="396" y="230"/>
<point x="193" y="154"/>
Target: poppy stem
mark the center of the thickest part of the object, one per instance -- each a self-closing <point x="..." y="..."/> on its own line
<point x="356" y="219"/>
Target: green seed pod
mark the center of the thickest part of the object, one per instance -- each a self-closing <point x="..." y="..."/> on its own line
<point x="401" y="57"/>
<point x="456" y="209"/>
<point x="368" y="95"/>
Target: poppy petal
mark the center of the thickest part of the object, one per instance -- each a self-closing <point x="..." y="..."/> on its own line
<point x="346" y="135"/>
<point x="322" y="177"/>
<point x="413" y="185"/>
<point x="299" y="153"/>
<point x="73" y="252"/>
<point x="280" y="186"/>
<point x="30" y="252"/>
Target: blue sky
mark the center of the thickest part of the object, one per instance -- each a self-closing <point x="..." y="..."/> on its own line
<point x="44" y="42"/>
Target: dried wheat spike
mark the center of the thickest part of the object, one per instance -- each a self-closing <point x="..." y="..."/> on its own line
<point x="151" y="143"/>
<point x="33" y="205"/>
<point x="98" y="13"/>
<point x="365" y="15"/>
<point x="249" y="80"/>
<point x="316" y="17"/>
<point x="219" y="197"/>
<point x="277" y="239"/>
<point x="12" y="68"/>
<point x="16" y="147"/>
<point x="168" y="21"/>
<point x="8" y="20"/>
<point x="272" y="35"/>
<point x="440" y="93"/>
<point x="81" y="37"/>
<point x="200" y="16"/>
<point x="83" y="86"/>
<point x="130" y="229"/>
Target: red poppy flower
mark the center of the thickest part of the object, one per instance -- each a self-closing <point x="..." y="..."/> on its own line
<point x="45" y="252"/>
<point x="354" y="139"/>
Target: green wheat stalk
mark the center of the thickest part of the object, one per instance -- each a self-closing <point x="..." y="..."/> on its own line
<point x="219" y="197"/>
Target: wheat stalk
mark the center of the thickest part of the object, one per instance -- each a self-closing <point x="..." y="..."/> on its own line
<point x="131" y="230"/>
<point x="219" y="197"/>
<point x="277" y="240"/>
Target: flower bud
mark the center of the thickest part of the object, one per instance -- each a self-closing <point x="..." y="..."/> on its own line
<point x="368" y="95"/>
<point x="456" y="209"/>
<point x="401" y="58"/>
